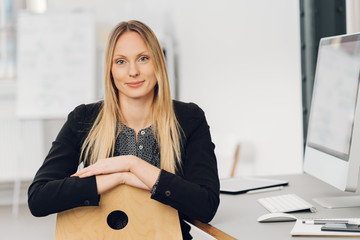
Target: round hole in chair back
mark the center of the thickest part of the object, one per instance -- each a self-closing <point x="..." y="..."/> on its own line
<point x="117" y="220"/>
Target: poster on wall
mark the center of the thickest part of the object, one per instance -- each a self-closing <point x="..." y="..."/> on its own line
<point x="55" y="63"/>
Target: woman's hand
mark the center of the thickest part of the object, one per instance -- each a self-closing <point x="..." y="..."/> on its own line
<point x="132" y="180"/>
<point x="106" y="182"/>
<point x="143" y="171"/>
<point x="107" y="166"/>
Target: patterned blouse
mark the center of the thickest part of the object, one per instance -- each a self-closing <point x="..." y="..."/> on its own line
<point x="145" y="148"/>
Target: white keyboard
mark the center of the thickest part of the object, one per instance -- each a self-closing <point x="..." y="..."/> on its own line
<point x="286" y="203"/>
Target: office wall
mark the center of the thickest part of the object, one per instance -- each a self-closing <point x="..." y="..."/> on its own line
<point x="242" y="65"/>
<point x="238" y="60"/>
<point x="352" y="16"/>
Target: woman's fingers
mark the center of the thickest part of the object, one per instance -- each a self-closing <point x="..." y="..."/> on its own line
<point x="88" y="171"/>
<point x="105" y="166"/>
<point x="84" y="172"/>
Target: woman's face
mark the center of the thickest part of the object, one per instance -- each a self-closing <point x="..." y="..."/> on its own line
<point x="132" y="68"/>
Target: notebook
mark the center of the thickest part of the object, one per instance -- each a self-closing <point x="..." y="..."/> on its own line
<point x="240" y="185"/>
<point x="301" y="229"/>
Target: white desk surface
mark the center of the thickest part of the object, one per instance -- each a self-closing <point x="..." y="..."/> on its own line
<point x="237" y="214"/>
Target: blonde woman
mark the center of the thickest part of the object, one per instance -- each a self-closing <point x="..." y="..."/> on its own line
<point x="136" y="136"/>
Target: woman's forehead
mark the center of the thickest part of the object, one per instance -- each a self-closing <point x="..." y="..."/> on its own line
<point x="129" y="44"/>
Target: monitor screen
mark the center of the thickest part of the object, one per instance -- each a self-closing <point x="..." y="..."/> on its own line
<point x="335" y="94"/>
<point x="332" y="151"/>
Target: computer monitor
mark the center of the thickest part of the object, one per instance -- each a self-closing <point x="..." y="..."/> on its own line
<point x="332" y="151"/>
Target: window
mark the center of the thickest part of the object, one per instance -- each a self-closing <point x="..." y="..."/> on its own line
<point x="8" y="10"/>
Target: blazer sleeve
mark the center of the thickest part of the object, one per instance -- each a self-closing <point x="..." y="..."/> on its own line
<point x="195" y="192"/>
<point x="53" y="190"/>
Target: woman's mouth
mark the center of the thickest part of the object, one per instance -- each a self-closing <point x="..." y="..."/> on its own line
<point x="135" y="84"/>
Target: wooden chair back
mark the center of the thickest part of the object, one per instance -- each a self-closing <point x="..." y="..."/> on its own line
<point x="123" y="213"/>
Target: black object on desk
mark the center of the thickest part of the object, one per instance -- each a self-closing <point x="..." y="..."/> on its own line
<point x="240" y="185"/>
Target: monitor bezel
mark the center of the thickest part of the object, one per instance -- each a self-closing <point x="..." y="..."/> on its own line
<point x="328" y="167"/>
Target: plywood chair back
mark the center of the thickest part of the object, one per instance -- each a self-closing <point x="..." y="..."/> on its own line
<point x="123" y="213"/>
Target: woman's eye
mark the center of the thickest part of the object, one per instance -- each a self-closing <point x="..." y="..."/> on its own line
<point x="120" y="61"/>
<point x="143" y="58"/>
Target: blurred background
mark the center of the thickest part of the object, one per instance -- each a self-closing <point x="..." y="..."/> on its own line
<point x="248" y="64"/>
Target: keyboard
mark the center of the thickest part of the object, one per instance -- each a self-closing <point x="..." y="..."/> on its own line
<point x="286" y="203"/>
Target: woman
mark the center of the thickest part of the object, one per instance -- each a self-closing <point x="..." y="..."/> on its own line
<point x="137" y="136"/>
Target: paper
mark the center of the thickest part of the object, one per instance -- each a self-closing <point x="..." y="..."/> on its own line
<point x="301" y="229"/>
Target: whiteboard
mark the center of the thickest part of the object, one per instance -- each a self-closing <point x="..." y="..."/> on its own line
<point x="55" y="63"/>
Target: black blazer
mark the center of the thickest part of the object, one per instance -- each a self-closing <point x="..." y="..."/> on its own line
<point x="194" y="193"/>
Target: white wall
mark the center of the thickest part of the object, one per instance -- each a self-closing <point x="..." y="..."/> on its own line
<point x="352" y="16"/>
<point x="238" y="60"/>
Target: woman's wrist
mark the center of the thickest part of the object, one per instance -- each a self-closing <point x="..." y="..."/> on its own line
<point x="121" y="177"/>
<point x="143" y="170"/>
<point x="133" y="161"/>
<point x="108" y="181"/>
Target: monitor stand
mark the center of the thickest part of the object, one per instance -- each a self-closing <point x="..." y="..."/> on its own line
<point x="339" y="202"/>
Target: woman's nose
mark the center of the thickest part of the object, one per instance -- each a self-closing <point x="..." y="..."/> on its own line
<point x="133" y="71"/>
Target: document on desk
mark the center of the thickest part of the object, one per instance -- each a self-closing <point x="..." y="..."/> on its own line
<point x="240" y="185"/>
<point x="305" y="229"/>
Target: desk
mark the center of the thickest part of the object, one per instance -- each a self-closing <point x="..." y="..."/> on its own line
<point x="237" y="214"/>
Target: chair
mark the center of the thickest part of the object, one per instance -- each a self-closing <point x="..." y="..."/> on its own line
<point x="236" y="160"/>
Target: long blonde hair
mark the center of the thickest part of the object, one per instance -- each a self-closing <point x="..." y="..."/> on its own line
<point x="101" y="139"/>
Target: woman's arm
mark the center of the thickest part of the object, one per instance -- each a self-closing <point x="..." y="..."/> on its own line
<point x="195" y="192"/>
<point x="53" y="190"/>
<point x="109" y="181"/>
<point x="130" y="170"/>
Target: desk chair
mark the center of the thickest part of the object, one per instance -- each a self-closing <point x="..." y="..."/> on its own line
<point x="123" y="213"/>
<point x="246" y="151"/>
<point x="236" y="160"/>
<point x="140" y="218"/>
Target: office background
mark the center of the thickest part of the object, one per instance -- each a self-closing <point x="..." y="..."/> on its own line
<point x="238" y="60"/>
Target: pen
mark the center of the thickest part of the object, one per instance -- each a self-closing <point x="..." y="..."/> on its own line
<point x="324" y="221"/>
<point x="265" y="189"/>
